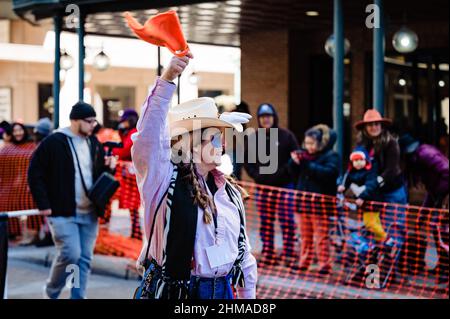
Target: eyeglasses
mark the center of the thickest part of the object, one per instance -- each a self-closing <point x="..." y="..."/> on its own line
<point x="91" y="122"/>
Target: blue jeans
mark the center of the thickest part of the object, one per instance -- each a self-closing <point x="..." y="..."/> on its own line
<point x="74" y="239"/>
<point x="396" y="214"/>
<point x="210" y="288"/>
<point x="397" y="196"/>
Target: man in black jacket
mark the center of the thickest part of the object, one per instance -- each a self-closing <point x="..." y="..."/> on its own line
<point x="270" y="203"/>
<point x="60" y="165"/>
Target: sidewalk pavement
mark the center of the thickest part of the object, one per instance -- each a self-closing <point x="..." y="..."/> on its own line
<point x="118" y="267"/>
<point x="26" y="280"/>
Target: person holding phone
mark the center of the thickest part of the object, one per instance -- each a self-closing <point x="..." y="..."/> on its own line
<point x="317" y="169"/>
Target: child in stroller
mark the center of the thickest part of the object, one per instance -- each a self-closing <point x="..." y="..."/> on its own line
<point x="365" y="248"/>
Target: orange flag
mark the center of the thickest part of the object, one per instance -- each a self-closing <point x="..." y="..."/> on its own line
<point x="163" y="29"/>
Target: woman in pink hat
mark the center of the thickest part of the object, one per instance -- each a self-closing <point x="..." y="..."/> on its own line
<point x="384" y="149"/>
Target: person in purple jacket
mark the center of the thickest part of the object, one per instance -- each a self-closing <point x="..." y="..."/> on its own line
<point x="427" y="165"/>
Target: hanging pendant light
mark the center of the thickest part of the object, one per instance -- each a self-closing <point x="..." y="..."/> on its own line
<point x="329" y="46"/>
<point x="405" y="40"/>
<point x="193" y="78"/>
<point x="101" y="61"/>
<point x="66" y="61"/>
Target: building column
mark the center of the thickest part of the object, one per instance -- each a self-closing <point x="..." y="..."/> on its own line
<point x="81" y="56"/>
<point x="338" y="75"/>
<point x="57" y="21"/>
<point x="378" y="61"/>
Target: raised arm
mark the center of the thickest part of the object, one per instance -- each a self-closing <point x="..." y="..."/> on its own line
<point x="151" y="143"/>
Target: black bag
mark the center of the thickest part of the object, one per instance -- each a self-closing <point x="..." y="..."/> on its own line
<point x="147" y="287"/>
<point x="152" y="271"/>
<point x="103" y="189"/>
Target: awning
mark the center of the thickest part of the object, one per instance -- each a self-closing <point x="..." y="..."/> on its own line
<point x="222" y="22"/>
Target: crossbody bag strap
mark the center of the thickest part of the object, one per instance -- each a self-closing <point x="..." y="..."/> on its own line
<point x="237" y="274"/>
<point x="78" y="164"/>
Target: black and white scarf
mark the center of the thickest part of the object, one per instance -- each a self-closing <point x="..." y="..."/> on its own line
<point x="179" y="238"/>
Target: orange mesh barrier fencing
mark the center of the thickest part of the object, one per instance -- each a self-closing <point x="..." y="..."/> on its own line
<point x="314" y="246"/>
<point x="14" y="191"/>
<point x="380" y="250"/>
<point x="307" y="245"/>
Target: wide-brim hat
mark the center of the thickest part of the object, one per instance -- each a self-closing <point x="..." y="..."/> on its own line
<point x="197" y="114"/>
<point x="372" y="116"/>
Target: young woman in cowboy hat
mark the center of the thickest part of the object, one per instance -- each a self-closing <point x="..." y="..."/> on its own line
<point x="384" y="149"/>
<point x="194" y="216"/>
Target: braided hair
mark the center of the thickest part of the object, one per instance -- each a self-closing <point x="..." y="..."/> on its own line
<point x="200" y="194"/>
<point x="189" y="173"/>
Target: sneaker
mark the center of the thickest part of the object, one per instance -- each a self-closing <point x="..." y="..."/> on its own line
<point x="44" y="293"/>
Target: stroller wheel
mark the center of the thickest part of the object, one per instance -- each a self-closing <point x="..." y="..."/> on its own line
<point x="388" y="267"/>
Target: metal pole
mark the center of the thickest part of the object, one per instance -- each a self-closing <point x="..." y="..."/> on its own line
<point x="4" y="243"/>
<point x="158" y="71"/>
<point x="437" y="103"/>
<point x="57" y="21"/>
<point x="3" y="254"/>
<point x="338" y="75"/>
<point x="81" y="55"/>
<point x="378" y="61"/>
<point x="415" y="93"/>
<point x="431" y="109"/>
<point x="179" y="88"/>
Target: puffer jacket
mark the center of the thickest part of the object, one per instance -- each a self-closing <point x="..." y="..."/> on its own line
<point x="319" y="174"/>
<point x="430" y="167"/>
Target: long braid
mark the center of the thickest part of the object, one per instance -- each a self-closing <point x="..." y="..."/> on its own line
<point x="201" y="197"/>
<point x="199" y="193"/>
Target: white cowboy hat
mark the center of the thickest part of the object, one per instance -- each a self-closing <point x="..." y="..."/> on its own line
<point x="202" y="113"/>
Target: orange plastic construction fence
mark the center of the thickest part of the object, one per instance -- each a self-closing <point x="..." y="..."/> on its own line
<point x="314" y="246"/>
<point x="14" y="191"/>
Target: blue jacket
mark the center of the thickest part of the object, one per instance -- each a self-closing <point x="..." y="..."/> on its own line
<point x="364" y="177"/>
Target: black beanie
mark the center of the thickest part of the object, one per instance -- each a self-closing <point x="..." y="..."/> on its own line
<point x="81" y="111"/>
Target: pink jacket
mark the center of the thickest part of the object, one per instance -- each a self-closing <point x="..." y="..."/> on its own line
<point x="151" y="157"/>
